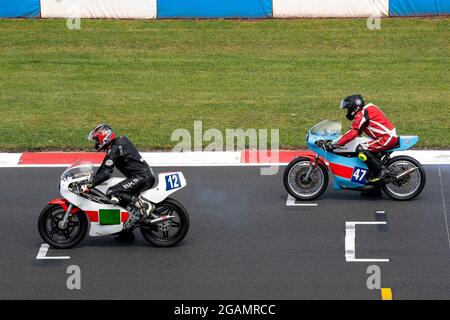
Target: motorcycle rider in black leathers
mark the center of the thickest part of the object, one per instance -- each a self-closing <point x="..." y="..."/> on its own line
<point x="123" y="155"/>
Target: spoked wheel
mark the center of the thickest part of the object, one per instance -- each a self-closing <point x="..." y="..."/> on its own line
<point x="408" y="186"/>
<point x="51" y="233"/>
<point x="169" y="232"/>
<point x="301" y="188"/>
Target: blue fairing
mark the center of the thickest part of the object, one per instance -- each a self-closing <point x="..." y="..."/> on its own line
<point x="406" y="142"/>
<point x="353" y="162"/>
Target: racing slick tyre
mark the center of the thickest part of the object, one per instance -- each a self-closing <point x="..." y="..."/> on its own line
<point x="409" y="186"/>
<point x="170" y="232"/>
<point x="51" y="233"/>
<point x="295" y="185"/>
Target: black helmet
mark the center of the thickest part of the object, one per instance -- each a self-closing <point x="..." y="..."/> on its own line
<point x="102" y="135"/>
<point x="353" y="104"/>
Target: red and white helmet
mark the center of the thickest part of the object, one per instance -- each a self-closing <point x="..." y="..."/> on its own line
<point x="102" y="135"/>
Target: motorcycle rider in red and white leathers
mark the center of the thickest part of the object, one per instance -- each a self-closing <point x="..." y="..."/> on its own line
<point x="368" y="119"/>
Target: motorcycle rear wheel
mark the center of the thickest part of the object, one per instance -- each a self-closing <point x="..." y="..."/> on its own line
<point x="411" y="185"/>
<point x="170" y="232"/>
<point x="56" y="237"/>
<point x="309" y="190"/>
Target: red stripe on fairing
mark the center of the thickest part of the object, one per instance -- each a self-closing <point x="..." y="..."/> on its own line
<point x="269" y="156"/>
<point x="341" y="171"/>
<point x="60" y="157"/>
<point x="92" y="216"/>
<point x="64" y="203"/>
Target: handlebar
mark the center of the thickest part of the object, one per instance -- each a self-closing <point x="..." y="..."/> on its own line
<point x="321" y="143"/>
<point x="76" y="187"/>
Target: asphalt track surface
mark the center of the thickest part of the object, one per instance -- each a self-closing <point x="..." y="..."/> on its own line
<point x="244" y="243"/>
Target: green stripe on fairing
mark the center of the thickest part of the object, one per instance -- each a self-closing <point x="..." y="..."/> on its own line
<point x="109" y="216"/>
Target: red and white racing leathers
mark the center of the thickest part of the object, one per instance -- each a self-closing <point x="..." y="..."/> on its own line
<point x="372" y="121"/>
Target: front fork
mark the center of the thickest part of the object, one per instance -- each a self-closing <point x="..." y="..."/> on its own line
<point x="63" y="223"/>
<point x="311" y="168"/>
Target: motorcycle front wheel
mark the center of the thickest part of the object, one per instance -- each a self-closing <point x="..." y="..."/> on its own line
<point x="409" y="186"/>
<point x="51" y="233"/>
<point x="296" y="184"/>
<point x="170" y="232"/>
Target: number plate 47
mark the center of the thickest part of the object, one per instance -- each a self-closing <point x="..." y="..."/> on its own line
<point x="359" y="175"/>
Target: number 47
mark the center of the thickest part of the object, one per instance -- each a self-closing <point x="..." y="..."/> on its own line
<point x="359" y="174"/>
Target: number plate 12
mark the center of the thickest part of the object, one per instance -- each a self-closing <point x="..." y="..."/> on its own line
<point x="173" y="181"/>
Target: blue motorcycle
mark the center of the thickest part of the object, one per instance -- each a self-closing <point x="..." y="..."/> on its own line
<point x="306" y="178"/>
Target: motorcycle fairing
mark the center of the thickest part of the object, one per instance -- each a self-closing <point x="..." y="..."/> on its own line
<point x="92" y="211"/>
<point x="99" y="227"/>
<point x="64" y="204"/>
<point x="348" y="172"/>
<point x="168" y="183"/>
<point x="406" y="142"/>
<point x="352" y="172"/>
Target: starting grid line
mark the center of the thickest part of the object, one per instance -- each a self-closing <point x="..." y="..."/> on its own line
<point x="42" y="254"/>
<point x="350" y="231"/>
<point x="291" y="202"/>
<point x="350" y="241"/>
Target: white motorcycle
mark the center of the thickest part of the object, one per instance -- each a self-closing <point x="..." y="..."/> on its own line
<point x="64" y="222"/>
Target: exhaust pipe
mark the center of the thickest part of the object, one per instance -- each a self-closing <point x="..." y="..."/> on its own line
<point x="161" y="219"/>
<point x="406" y="173"/>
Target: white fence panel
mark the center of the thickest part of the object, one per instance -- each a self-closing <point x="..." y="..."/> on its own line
<point x="119" y="9"/>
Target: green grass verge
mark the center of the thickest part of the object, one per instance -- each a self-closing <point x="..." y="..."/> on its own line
<point x="147" y="78"/>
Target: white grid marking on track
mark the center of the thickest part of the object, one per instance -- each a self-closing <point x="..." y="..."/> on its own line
<point x="350" y="241"/>
<point x="290" y="202"/>
<point x="42" y="254"/>
<point x="445" y="208"/>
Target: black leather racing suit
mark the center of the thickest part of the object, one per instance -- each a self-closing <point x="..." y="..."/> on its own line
<point x="123" y="155"/>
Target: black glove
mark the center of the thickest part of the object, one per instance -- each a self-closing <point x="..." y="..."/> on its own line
<point x="331" y="146"/>
<point x="86" y="188"/>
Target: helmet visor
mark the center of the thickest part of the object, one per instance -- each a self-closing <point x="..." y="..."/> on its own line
<point x="94" y="133"/>
<point x="344" y="104"/>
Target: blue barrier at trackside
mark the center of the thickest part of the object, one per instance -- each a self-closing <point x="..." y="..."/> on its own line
<point x="419" y="7"/>
<point x="228" y="8"/>
<point x="214" y="8"/>
<point x="20" y="8"/>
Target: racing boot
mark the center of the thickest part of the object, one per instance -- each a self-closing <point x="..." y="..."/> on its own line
<point x="376" y="169"/>
<point x="134" y="217"/>
<point x="115" y="200"/>
<point x="139" y="210"/>
<point x="145" y="207"/>
<point x="382" y="173"/>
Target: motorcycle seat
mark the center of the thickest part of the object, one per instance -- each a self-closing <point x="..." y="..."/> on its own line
<point x="404" y="143"/>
